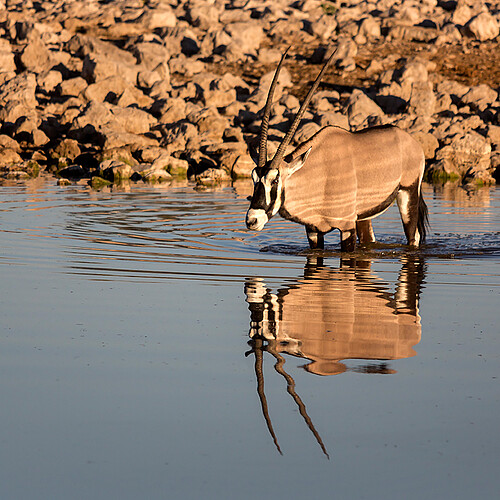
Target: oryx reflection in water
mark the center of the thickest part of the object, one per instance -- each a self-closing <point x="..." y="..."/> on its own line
<point x="334" y="314"/>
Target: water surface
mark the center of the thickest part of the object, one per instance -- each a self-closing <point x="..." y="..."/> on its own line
<point x="151" y="347"/>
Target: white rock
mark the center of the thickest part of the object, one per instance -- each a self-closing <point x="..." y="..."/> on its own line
<point x="484" y="27"/>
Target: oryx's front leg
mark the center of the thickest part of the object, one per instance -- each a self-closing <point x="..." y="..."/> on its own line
<point x="408" y="201"/>
<point x="348" y="240"/>
<point x="315" y="238"/>
<point x="365" y="231"/>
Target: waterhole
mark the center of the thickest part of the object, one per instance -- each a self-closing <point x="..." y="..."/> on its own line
<point x="152" y="347"/>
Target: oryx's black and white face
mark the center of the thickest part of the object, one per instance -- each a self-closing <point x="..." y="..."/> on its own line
<point x="269" y="176"/>
<point x="266" y="198"/>
<point x="268" y="186"/>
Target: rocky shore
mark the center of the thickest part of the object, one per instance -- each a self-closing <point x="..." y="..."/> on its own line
<point x="152" y="89"/>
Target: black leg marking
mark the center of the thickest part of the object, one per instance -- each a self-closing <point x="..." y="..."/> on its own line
<point x="348" y="240"/>
<point x="316" y="239"/>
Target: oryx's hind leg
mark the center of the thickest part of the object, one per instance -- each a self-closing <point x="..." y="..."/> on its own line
<point x="408" y="199"/>
<point x="348" y="240"/>
<point x="315" y="238"/>
<point x="365" y="231"/>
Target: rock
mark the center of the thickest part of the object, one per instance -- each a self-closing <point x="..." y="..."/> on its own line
<point x="246" y="37"/>
<point x="19" y="89"/>
<point x="49" y="80"/>
<point x="98" y="67"/>
<point x="480" y="97"/>
<point x="116" y="171"/>
<point x="369" y="28"/>
<point x="7" y="63"/>
<point x="67" y="148"/>
<point x="175" y="166"/>
<point x="74" y="172"/>
<point x="465" y="156"/>
<point x="158" y="17"/>
<point x="484" y="27"/>
<point x="107" y="89"/>
<point x="110" y="138"/>
<point x="428" y="142"/>
<point x="362" y="111"/>
<point x="334" y="119"/>
<point x="134" y="97"/>
<point x="413" y="71"/>
<point x="209" y="122"/>
<point x="9" y="157"/>
<point x="97" y="182"/>
<point x="220" y="94"/>
<point x="133" y="120"/>
<point x="39" y="138"/>
<point x="493" y="136"/>
<point x="455" y="89"/>
<point x="422" y="99"/>
<point x="151" y="55"/>
<point x="87" y="125"/>
<point x="323" y="27"/>
<point x="9" y="143"/>
<point x="306" y="131"/>
<point x="462" y="13"/>
<point x="212" y="175"/>
<point x="413" y="33"/>
<point x="203" y="16"/>
<point x="36" y="56"/>
<point x="242" y="167"/>
<point x="155" y="173"/>
<point x="72" y="87"/>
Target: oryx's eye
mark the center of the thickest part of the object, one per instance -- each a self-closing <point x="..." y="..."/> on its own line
<point x="275" y="180"/>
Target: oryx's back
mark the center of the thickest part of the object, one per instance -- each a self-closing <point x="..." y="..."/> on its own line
<point x="350" y="176"/>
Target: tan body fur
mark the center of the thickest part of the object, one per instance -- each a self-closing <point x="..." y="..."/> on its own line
<point x="350" y="177"/>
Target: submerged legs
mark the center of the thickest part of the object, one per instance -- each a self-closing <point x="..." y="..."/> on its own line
<point x="316" y="239"/>
<point x="348" y="240"/>
<point x="408" y="203"/>
<point x="365" y="231"/>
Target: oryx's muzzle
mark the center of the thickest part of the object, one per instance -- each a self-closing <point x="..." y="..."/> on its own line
<point x="256" y="219"/>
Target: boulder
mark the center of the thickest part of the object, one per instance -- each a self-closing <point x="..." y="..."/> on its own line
<point x="480" y="97"/>
<point x="7" y="63"/>
<point x="242" y="167"/>
<point x="158" y="17"/>
<point x="306" y="131"/>
<point x="72" y="87"/>
<point x="115" y="170"/>
<point x="484" y="27"/>
<point x="36" y="57"/>
<point x="466" y="156"/>
<point x="362" y="111"/>
<point x="9" y="157"/>
<point x="428" y="142"/>
<point x="66" y="148"/>
<point x="49" y="80"/>
<point x="133" y="120"/>
<point x="246" y="37"/>
<point x="422" y="100"/>
<point x="20" y="89"/>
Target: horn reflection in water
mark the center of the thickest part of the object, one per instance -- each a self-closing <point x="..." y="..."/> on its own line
<point x="334" y="314"/>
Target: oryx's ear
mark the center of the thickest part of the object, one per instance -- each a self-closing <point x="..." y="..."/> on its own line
<point x="298" y="162"/>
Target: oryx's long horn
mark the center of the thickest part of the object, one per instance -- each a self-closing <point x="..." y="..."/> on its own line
<point x="267" y="111"/>
<point x="291" y="132"/>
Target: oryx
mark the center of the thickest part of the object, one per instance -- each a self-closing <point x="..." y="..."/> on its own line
<point x="338" y="179"/>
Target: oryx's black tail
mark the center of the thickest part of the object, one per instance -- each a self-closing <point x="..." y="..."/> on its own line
<point x="423" y="219"/>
